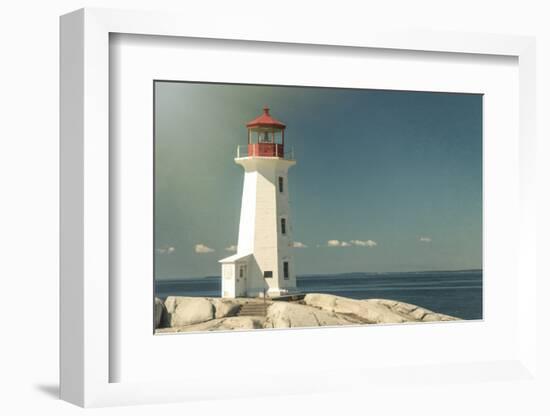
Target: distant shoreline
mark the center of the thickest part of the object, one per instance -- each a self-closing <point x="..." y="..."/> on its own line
<point x="348" y="274"/>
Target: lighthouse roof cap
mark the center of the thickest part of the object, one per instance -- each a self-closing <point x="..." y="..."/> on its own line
<point x="265" y="120"/>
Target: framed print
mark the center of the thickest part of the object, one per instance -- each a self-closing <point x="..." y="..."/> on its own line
<point x="269" y="205"/>
<point x="282" y="274"/>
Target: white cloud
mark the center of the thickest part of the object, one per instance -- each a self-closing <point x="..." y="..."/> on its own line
<point x="297" y="244"/>
<point x="364" y="243"/>
<point x="165" y="250"/>
<point x="203" y="249"/>
<point x="337" y="243"/>
<point x="425" y="239"/>
<point x="360" y="243"/>
<point x="232" y="248"/>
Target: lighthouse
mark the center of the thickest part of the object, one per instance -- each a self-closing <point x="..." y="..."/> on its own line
<point x="263" y="263"/>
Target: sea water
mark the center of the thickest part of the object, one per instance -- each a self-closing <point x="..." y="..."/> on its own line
<point x="456" y="293"/>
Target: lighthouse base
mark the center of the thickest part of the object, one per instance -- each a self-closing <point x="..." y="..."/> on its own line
<point x="242" y="277"/>
<point x="279" y="292"/>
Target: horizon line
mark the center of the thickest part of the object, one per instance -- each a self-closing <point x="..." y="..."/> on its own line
<point x="334" y="274"/>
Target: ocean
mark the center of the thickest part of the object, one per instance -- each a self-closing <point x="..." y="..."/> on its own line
<point x="456" y="293"/>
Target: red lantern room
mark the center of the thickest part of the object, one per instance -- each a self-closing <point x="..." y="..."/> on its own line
<point x="266" y="136"/>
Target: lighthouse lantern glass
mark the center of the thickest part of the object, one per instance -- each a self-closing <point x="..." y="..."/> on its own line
<point x="265" y="137"/>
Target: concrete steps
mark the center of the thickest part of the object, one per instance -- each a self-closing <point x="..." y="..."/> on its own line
<point x="253" y="309"/>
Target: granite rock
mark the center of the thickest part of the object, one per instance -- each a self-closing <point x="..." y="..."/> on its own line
<point x="182" y="311"/>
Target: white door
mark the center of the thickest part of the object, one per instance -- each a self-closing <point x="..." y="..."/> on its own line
<point x="241" y="279"/>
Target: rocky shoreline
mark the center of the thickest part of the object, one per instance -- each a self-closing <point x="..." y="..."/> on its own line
<point x="190" y="314"/>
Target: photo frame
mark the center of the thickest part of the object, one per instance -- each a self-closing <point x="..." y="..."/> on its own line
<point x="89" y="297"/>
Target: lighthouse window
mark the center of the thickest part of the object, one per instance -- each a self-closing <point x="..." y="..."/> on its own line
<point x="285" y="269"/>
<point x="264" y="137"/>
<point x="283" y="225"/>
<point x="281" y="188"/>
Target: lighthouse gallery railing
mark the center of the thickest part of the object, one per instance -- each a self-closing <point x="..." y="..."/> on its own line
<point x="245" y="151"/>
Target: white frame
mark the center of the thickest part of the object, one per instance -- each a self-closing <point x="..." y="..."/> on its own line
<point x="85" y="193"/>
<point x="138" y="60"/>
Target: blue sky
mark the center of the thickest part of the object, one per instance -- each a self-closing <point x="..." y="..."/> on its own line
<point x="395" y="177"/>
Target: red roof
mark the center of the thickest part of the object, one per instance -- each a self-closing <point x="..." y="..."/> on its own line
<point x="265" y="120"/>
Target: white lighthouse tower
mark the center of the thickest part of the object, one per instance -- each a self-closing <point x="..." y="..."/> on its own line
<point x="263" y="262"/>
